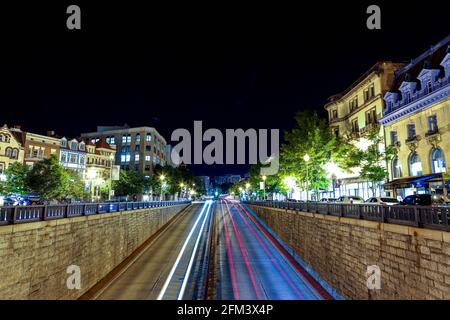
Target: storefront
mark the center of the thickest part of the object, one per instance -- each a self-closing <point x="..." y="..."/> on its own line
<point x="426" y="184"/>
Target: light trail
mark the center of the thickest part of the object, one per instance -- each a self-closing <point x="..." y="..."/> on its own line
<point x="244" y="255"/>
<point x="310" y="280"/>
<point x="272" y="258"/>
<point x="230" y="255"/>
<point x="194" y="252"/>
<point x="180" y="254"/>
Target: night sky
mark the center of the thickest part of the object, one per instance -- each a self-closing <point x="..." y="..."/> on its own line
<point x="228" y="65"/>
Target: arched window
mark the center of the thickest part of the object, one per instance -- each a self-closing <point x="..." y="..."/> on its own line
<point x="415" y="165"/>
<point x="15" y="153"/>
<point x="437" y="161"/>
<point x="8" y="152"/>
<point x="2" y="138"/>
<point x="396" y="168"/>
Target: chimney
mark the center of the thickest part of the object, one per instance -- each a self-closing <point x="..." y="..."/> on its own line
<point x="50" y="133"/>
<point x="17" y="127"/>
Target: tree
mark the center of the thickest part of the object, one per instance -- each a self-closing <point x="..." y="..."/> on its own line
<point x="129" y="183"/>
<point x="313" y="137"/>
<point x="49" y="179"/>
<point x="74" y="185"/>
<point x="372" y="160"/>
<point x="16" y="175"/>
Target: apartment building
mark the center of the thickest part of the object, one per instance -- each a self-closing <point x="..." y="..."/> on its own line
<point x="352" y="115"/>
<point x="417" y="122"/>
<point x="139" y="149"/>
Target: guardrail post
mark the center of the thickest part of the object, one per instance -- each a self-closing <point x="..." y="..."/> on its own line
<point x="44" y="213"/>
<point x="417" y="216"/>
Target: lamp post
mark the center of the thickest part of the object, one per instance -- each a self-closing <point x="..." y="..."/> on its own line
<point x="111" y="158"/>
<point x="91" y="174"/>
<point x="307" y="158"/>
<point x="162" y="177"/>
<point x="264" y="187"/>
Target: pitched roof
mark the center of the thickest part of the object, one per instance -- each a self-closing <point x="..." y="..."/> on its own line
<point x="430" y="59"/>
<point x="101" y="143"/>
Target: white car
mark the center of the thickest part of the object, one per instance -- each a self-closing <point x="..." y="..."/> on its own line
<point x="350" y="199"/>
<point x="383" y="200"/>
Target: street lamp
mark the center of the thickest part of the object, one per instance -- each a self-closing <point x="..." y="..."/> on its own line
<point x="264" y="186"/>
<point x="91" y="175"/>
<point x="307" y="158"/>
<point x="162" y="177"/>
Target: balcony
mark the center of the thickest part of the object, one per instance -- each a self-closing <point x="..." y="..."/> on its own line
<point x="432" y="132"/>
<point x="369" y="127"/>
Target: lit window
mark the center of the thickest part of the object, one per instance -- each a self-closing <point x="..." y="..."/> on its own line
<point x="147" y="158"/>
<point x="138" y="137"/>
<point x="124" y="138"/>
<point x="148" y="137"/>
<point x="415" y="165"/>
<point x="396" y="168"/>
<point x="113" y="140"/>
<point x="136" y="158"/>
<point x="438" y="161"/>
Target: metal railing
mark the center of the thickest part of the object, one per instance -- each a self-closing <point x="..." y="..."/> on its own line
<point x="23" y="214"/>
<point x="416" y="216"/>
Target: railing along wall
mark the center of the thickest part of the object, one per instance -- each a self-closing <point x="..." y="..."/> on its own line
<point x="23" y="214"/>
<point x="416" y="216"/>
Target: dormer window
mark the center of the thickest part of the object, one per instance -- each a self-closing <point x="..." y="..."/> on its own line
<point x="82" y="146"/>
<point x="74" y="145"/>
<point x="63" y="143"/>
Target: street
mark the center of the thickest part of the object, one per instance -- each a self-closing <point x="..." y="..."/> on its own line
<point x="252" y="266"/>
<point x="162" y="271"/>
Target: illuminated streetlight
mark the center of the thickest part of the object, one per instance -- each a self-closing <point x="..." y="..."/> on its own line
<point x="162" y="178"/>
<point x="247" y="185"/>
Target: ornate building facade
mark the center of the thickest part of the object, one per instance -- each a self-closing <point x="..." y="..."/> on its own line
<point x="99" y="165"/>
<point x="417" y="122"/>
<point x="352" y="115"/>
<point x="11" y="147"/>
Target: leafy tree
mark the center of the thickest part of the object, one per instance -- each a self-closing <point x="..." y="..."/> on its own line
<point x="372" y="161"/>
<point x="49" y="179"/>
<point x="73" y="185"/>
<point x="313" y="137"/>
<point x="129" y="183"/>
<point x="16" y="175"/>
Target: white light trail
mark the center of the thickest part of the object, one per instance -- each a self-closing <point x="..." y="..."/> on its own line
<point x="191" y="260"/>
<point x="180" y="254"/>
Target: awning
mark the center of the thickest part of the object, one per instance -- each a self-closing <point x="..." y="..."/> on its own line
<point x="416" y="182"/>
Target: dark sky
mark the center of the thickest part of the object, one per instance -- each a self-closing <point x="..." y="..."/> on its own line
<point x="228" y="65"/>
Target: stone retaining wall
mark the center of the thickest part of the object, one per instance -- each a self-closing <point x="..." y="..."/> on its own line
<point x="414" y="262"/>
<point x="34" y="257"/>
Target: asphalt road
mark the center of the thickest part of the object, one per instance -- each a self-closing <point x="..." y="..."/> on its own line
<point x="252" y="265"/>
<point x="169" y="267"/>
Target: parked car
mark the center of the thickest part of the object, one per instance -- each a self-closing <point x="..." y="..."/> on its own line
<point x="426" y="200"/>
<point x="382" y="200"/>
<point x="350" y="199"/>
<point x="11" y="201"/>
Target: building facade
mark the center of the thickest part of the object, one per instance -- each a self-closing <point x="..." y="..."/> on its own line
<point x="99" y="165"/>
<point x="73" y="155"/>
<point x="352" y="115"/>
<point x="38" y="147"/>
<point x="11" y="147"/>
<point x="417" y="122"/>
<point x="139" y="149"/>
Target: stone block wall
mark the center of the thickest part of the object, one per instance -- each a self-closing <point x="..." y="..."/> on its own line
<point x="414" y="262"/>
<point x="34" y="257"/>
